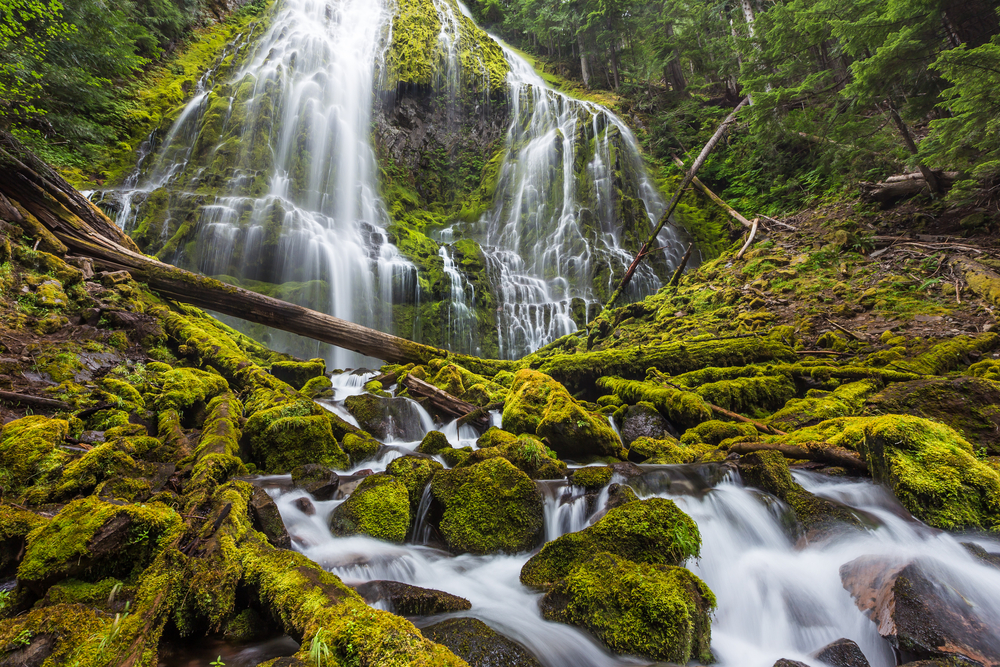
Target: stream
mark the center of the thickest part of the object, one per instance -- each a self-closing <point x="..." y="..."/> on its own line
<point x="776" y="598"/>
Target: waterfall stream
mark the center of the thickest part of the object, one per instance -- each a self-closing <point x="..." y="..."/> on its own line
<point x="777" y="598"/>
<point x="268" y="177"/>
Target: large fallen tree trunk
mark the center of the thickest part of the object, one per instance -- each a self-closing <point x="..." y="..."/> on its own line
<point x="903" y="186"/>
<point x="443" y="402"/>
<point x="84" y="229"/>
<point x="810" y="451"/>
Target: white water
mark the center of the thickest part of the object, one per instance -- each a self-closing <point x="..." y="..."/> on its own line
<point x="775" y="600"/>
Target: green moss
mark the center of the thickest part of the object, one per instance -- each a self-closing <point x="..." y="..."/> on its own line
<point x="538" y="405"/>
<point x="592" y="478"/>
<point x="715" y="431"/>
<point x="657" y="611"/>
<point x="845" y="401"/>
<point x="951" y="354"/>
<point x="186" y="387"/>
<point x="28" y="452"/>
<point x="292" y="433"/>
<point x="752" y="395"/>
<point x="298" y="373"/>
<point x="495" y="436"/>
<point x="528" y="453"/>
<point x="668" y="451"/>
<point x="465" y="384"/>
<point x="683" y="408"/>
<point x="434" y="442"/>
<point x="489" y="507"/>
<point x="74" y="591"/>
<point x="124" y="391"/>
<point x="114" y="459"/>
<point x="318" y="387"/>
<point x="379" y="507"/>
<point x="15" y="524"/>
<point x="359" y="447"/>
<point x="650" y="531"/>
<point x="97" y="539"/>
<point x="415" y="473"/>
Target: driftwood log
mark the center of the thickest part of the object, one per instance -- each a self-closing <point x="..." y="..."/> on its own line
<point x="44" y="199"/>
<point x="443" y="402"/>
<point x="903" y="186"/>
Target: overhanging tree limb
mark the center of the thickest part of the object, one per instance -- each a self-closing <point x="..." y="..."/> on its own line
<point x="672" y="204"/>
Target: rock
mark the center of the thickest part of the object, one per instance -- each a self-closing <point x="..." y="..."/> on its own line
<point x="112" y="278"/>
<point x="434" y="442"/>
<point x="666" y="451"/>
<point x="982" y="554"/>
<point x="50" y="294"/>
<point x="39" y="648"/>
<point x="489" y="507"/>
<point x="304" y="505"/>
<point x="626" y="469"/>
<point x="592" y="478"/>
<point x="768" y="470"/>
<point x="298" y="373"/>
<point x="642" y="421"/>
<point x="415" y="472"/>
<point x="292" y="432"/>
<point x="15" y="524"/>
<point x="657" y="611"/>
<point x="408" y="600"/>
<point x="478" y="644"/>
<point x="538" y="405"/>
<point x="653" y="531"/>
<point x="842" y="653"/>
<point x="785" y="662"/>
<point x="318" y="481"/>
<point x="267" y="519"/>
<point x="384" y="417"/>
<point x="618" y="495"/>
<point x="379" y="507"/>
<point x="923" y="616"/>
<point x="528" y="453"/>
<point x="495" y="436"/>
<point x="359" y="447"/>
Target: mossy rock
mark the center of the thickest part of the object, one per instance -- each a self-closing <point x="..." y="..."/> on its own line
<point x="15" y="524"/>
<point x="592" y="478"/>
<point x="92" y="539"/>
<point x="661" y="450"/>
<point x="642" y="420"/>
<point x="749" y="395"/>
<point x="28" y="452"/>
<point x="657" y="611"/>
<point x="455" y="456"/>
<point x="970" y="405"/>
<point x="951" y="354"/>
<point x="715" y="431"/>
<point x="479" y="644"/>
<point x="247" y="626"/>
<point x="683" y="408"/>
<point x="379" y="507"/>
<point x="494" y="436"/>
<point x="845" y="401"/>
<point x="651" y="531"/>
<point x="488" y="508"/>
<point x="382" y="417"/>
<point x="318" y="387"/>
<point x="292" y="433"/>
<point x="769" y="471"/>
<point x="298" y="373"/>
<point x="528" y="453"/>
<point x="360" y="447"/>
<point x="415" y="472"/>
<point x="434" y="442"/>
<point x="538" y="405"/>
<point x="186" y="387"/>
<point x="318" y="481"/>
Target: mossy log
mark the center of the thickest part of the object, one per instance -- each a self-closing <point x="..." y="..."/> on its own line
<point x="85" y="230"/>
<point x="444" y="402"/>
<point x="818" y="452"/>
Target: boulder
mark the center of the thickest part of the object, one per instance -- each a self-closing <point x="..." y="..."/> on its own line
<point x="298" y="373"/>
<point x="495" y="436"/>
<point x="384" y="417"/>
<point x="318" y="481"/>
<point x="489" y="507"/>
<point x="842" y="653"/>
<point x="478" y="644"/>
<point x="657" y="611"/>
<point x="642" y="421"/>
<point x="408" y="600"/>
<point x="379" y="507"/>
<point x="528" y="453"/>
<point x="919" y="612"/>
<point x="653" y="531"/>
<point x="592" y="478"/>
<point x="267" y="519"/>
<point x="359" y="446"/>
<point x="538" y="405"/>
<point x="434" y="442"/>
<point x="785" y="662"/>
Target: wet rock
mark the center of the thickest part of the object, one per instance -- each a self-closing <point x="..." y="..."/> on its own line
<point x="478" y="644"/>
<point x="32" y="655"/>
<point x="982" y="554"/>
<point x="316" y="480"/>
<point x="642" y="421"/>
<point x="415" y="472"/>
<point x="618" y="495"/>
<point x="592" y="478"/>
<point x="651" y="531"/>
<point x="921" y="614"/>
<point x="527" y="452"/>
<point x="842" y="653"/>
<point x="304" y="505"/>
<point x="489" y="507"/>
<point x="434" y="442"/>
<point x="267" y="519"/>
<point x="408" y="600"/>
<point x="785" y="662"/>
<point x="626" y="469"/>
<point x="385" y="417"/>
<point x="379" y="507"/>
<point x="657" y="611"/>
<point x="359" y="447"/>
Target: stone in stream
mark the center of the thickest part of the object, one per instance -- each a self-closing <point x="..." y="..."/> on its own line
<point x="267" y="519"/>
<point x="318" y="481"/>
<point x="785" y="662"/>
<point x="379" y="507"/>
<point x="842" y="653"/>
<point x="408" y="600"/>
<point x="920" y="615"/>
<point x="988" y="557"/>
<point x="479" y="644"/>
<point x="657" y="611"/>
<point x="642" y="421"/>
<point x="304" y="505"/>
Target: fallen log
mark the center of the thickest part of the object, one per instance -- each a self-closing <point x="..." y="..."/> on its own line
<point x="895" y="188"/>
<point x="714" y="197"/>
<point x="36" y="401"/>
<point x="84" y="229"/>
<point x="818" y="452"/>
<point x="445" y="403"/>
<point x="982" y="280"/>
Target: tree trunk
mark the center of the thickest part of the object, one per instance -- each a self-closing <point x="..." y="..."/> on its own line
<point x="583" y="61"/>
<point x="929" y="177"/>
<point x="85" y="230"/>
<point x="443" y="402"/>
<point x="614" y="66"/>
<point x="673" y="74"/>
<point x="972" y="22"/>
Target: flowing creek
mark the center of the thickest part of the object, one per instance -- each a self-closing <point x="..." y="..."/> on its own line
<point x="776" y="598"/>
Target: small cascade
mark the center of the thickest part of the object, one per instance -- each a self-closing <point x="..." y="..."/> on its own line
<point x="565" y="509"/>
<point x="460" y="313"/>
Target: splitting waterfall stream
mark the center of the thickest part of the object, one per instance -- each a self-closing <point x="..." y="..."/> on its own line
<point x="268" y="177"/>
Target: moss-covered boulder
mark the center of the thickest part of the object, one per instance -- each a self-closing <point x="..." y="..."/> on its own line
<point x="434" y="442"/>
<point x="379" y="507"/>
<point x="28" y="452"/>
<point x="538" y="405"/>
<point x="91" y="539"/>
<point x="528" y="453"/>
<point x="489" y="507"/>
<point x="415" y="472"/>
<point x="714" y="431"/>
<point x="293" y="432"/>
<point x="844" y="401"/>
<point x="642" y="420"/>
<point x="657" y="611"/>
<point x="15" y="524"/>
<point x="186" y="387"/>
<point x="298" y="373"/>
<point x="495" y="436"/>
<point x="769" y="471"/>
<point x="592" y="478"/>
<point x="665" y="451"/>
<point x="318" y="481"/>
<point x="479" y="644"/>
<point x="359" y="447"/>
<point x="653" y="531"/>
<point x="970" y="405"/>
<point x="683" y="408"/>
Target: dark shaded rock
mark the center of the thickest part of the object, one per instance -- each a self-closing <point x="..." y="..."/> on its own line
<point x="478" y="644"/>
<point x="842" y="653"/>
<point x="267" y="519"/>
<point x="304" y="505"/>
<point x="642" y="421"/>
<point x="618" y="495"/>
<point x="626" y="469"/>
<point x="969" y="405"/>
<point x="982" y="554"/>
<point x="785" y="662"/>
<point x="318" y="481"/>
<point x="920" y="614"/>
<point x="408" y="600"/>
<point x="385" y="417"/>
<point x="32" y="655"/>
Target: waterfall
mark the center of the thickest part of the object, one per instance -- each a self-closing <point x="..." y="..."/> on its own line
<point x="268" y="178"/>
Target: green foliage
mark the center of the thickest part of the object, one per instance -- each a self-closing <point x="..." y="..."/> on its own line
<point x="28" y="29"/>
